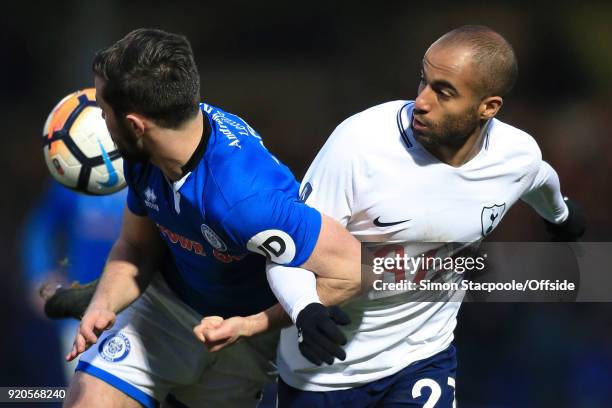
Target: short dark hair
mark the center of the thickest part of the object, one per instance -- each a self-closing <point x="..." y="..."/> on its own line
<point x="153" y="73"/>
<point x="493" y="57"/>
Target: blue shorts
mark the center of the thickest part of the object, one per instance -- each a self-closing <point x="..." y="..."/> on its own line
<point x="430" y="381"/>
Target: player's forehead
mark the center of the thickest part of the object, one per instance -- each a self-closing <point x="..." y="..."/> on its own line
<point x="449" y="63"/>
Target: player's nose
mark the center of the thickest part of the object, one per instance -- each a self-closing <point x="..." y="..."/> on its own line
<point x="422" y="103"/>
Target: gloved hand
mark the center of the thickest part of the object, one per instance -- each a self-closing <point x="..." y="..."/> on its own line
<point x="67" y="302"/>
<point x="319" y="337"/>
<point x="572" y="228"/>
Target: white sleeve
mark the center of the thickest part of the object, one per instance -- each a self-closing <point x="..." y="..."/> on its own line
<point x="328" y="187"/>
<point x="295" y="288"/>
<point x="544" y="195"/>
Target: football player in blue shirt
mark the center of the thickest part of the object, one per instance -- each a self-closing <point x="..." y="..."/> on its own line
<point x="205" y="201"/>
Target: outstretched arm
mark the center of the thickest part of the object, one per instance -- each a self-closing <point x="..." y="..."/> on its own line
<point x="317" y="323"/>
<point x="337" y="258"/>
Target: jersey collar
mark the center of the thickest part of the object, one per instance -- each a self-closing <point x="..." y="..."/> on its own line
<point x="404" y="116"/>
<point x="200" y="149"/>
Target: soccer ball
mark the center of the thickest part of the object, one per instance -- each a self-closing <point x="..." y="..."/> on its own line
<point x="78" y="149"/>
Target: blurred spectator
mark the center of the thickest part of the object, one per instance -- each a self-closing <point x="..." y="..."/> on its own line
<point x="67" y="237"/>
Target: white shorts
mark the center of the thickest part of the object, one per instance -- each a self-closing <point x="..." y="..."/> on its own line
<point x="151" y="352"/>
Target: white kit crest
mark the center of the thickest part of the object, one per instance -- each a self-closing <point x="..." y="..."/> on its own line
<point x="491" y="216"/>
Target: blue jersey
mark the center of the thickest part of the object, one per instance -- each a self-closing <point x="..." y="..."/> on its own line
<point x="236" y="200"/>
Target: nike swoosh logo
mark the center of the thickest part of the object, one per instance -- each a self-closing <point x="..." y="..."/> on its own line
<point x="378" y="223"/>
<point x="113" y="178"/>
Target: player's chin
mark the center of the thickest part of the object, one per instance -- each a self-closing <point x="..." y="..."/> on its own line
<point x="426" y="138"/>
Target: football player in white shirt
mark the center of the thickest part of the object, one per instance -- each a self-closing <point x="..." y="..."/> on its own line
<point x="437" y="169"/>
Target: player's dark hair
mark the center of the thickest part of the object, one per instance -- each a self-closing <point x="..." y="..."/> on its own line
<point x="493" y="57"/>
<point x="153" y="73"/>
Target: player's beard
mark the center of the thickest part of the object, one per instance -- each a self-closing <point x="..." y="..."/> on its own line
<point x="451" y="130"/>
<point x="129" y="148"/>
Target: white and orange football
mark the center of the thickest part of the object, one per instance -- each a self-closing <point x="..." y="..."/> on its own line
<point x="78" y="149"/>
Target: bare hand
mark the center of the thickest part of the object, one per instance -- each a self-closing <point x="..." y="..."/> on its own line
<point x="217" y="333"/>
<point x="93" y="323"/>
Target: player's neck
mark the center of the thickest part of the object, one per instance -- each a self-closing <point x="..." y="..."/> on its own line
<point x="171" y="149"/>
<point x="458" y="155"/>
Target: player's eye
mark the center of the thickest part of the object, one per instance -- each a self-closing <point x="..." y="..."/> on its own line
<point x="443" y="93"/>
<point x="444" y="96"/>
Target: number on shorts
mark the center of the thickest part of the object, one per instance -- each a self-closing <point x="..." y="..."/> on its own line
<point x="436" y="391"/>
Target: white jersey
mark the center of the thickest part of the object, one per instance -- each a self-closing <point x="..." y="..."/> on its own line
<point x="370" y="175"/>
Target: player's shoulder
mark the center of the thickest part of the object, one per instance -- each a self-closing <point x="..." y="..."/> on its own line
<point x="374" y="117"/>
<point x="383" y="109"/>
<point x="510" y="141"/>
<point x="369" y="127"/>
<point x="237" y="162"/>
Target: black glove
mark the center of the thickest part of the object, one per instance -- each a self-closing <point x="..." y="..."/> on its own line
<point x="319" y="338"/>
<point x="70" y="302"/>
<point x="572" y="228"/>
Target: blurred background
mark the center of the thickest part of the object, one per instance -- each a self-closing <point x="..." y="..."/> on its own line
<point x="294" y="70"/>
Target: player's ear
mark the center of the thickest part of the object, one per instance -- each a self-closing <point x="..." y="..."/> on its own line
<point x="136" y="124"/>
<point x="490" y="106"/>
